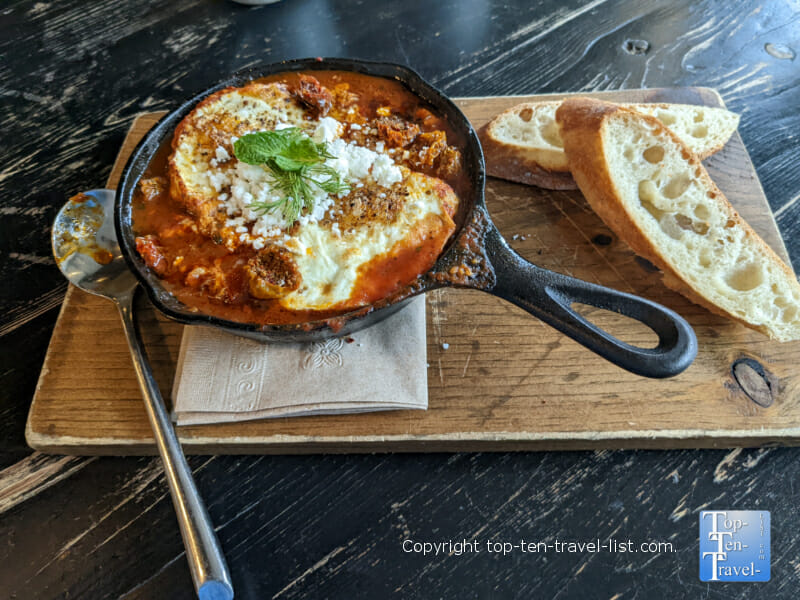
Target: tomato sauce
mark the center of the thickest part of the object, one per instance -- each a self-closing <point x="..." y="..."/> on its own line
<point x="208" y="277"/>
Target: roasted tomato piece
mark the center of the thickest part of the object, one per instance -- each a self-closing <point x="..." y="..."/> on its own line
<point x="153" y="187"/>
<point x="217" y="281"/>
<point x="427" y="118"/>
<point x="449" y="162"/>
<point x="430" y="145"/>
<point x="397" y="132"/>
<point x="311" y="93"/>
<point x="209" y="279"/>
<point x="272" y="273"/>
<point x="342" y="96"/>
<point x="151" y="251"/>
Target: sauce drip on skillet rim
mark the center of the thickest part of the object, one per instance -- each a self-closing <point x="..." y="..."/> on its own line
<point x="210" y="278"/>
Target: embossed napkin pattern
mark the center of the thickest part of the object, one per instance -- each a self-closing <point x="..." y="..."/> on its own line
<point x="224" y="378"/>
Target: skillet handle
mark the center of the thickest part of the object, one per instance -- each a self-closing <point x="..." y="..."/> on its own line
<point x="549" y="296"/>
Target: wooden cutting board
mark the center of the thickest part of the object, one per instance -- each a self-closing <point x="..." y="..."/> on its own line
<point x="498" y="378"/>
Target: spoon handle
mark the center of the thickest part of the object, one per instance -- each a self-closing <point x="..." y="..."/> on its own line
<point x="206" y="562"/>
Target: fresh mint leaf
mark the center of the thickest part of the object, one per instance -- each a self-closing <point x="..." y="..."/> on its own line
<point x="292" y="158"/>
<point x="257" y="148"/>
<point x="302" y="150"/>
<point x="289" y="164"/>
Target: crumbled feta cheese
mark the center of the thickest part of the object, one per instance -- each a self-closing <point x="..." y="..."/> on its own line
<point x="222" y="154"/>
<point x="327" y="130"/>
<point x="385" y="172"/>
<point x="240" y="185"/>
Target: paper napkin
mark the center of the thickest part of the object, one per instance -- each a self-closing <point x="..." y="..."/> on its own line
<point x="225" y="378"/>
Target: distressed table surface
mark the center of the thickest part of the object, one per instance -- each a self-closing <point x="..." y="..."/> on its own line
<point x="72" y="77"/>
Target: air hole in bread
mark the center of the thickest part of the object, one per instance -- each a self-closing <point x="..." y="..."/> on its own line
<point x="669" y="225"/>
<point x="654" y="154"/>
<point x="711" y="195"/>
<point x="651" y="208"/>
<point x="686" y="155"/>
<point x="648" y="192"/>
<point x="730" y="223"/>
<point x="628" y="153"/>
<point x="789" y="315"/>
<point x="525" y="114"/>
<point x="704" y="259"/>
<point x="689" y="224"/>
<point x="684" y="222"/>
<point x="698" y="172"/>
<point x="780" y="301"/>
<point x="677" y="186"/>
<point x="746" y="278"/>
<point x="551" y="135"/>
<point x="700" y="131"/>
<point x="702" y="212"/>
<point x="666" y="118"/>
<point x="699" y="116"/>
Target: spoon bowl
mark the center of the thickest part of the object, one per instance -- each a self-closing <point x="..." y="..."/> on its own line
<point x="87" y="252"/>
<point x="85" y="245"/>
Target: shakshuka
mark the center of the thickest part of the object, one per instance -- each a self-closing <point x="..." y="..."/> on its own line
<point x="299" y="196"/>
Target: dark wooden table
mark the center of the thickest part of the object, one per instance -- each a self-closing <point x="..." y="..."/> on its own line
<point x="73" y="75"/>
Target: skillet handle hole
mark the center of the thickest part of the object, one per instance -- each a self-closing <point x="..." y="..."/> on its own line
<point x="624" y="328"/>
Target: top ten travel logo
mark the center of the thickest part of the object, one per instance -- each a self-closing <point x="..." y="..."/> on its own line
<point x="734" y="545"/>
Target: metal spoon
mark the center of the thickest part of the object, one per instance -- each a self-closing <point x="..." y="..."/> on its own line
<point x="86" y="250"/>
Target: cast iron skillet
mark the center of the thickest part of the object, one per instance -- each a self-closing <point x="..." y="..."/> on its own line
<point x="477" y="256"/>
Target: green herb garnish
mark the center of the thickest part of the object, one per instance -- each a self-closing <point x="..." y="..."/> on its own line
<point x="296" y="163"/>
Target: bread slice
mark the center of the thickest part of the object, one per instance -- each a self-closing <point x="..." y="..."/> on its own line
<point x="654" y="193"/>
<point x="523" y="143"/>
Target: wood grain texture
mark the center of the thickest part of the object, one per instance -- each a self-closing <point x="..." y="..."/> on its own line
<point x="74" y="75"/>
<point x="506" y="381"/>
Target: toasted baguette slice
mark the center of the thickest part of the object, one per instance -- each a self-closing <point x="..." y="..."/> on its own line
<point x="524" y="144"/>
<point x="654" y="193"/>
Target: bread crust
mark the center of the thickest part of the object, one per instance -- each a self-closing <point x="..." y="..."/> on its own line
<point x="543" y="167"/>
<point x="505" y="162"/>
<point x="582" y="121"/>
